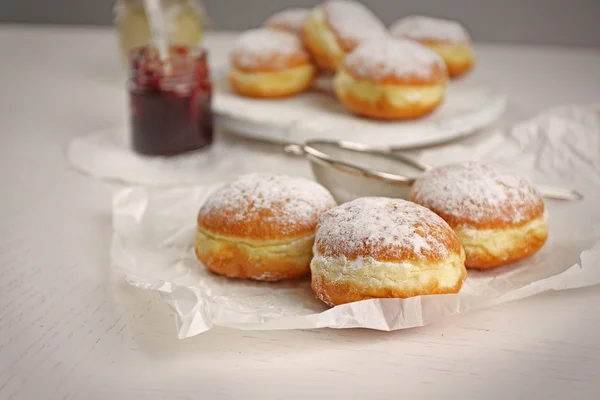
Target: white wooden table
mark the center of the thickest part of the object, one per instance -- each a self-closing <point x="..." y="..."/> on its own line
<point x="70" y="329"/>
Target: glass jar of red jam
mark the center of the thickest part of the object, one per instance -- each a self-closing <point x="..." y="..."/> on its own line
<point x="170" y="101"/>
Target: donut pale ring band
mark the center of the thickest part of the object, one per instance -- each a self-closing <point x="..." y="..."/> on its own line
<point x="261" y="227"/>
<point x="491" y="248"/>
<point x="391" y="79"/>
<point x="239" y="257"/>
<point x="499" y="217"/>
<point x="335" y="28"/>
<point x="449" y="39"/>
<point x="376" y="247"/>
<point x="269" y="63"/>
<point x="459" y="58"/>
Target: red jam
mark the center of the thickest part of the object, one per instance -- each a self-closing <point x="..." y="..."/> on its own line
<point x="170" y="101"/>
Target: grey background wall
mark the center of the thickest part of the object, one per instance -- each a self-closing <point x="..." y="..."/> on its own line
<point x="562" y="22"/>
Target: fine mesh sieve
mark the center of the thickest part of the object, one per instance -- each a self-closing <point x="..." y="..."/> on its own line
<point x="351" y="170"/>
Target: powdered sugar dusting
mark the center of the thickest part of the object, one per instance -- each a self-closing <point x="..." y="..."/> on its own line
<point x="293" y="19"/>
<point x="257" y="46"/>
<point x="351" y="20"/>
<point x="478" y="193"/>
<point x="281" y="201"/>
<point x="392" y="57"/>
<point x="382" y="227"/>
<point x="427" y="28"/>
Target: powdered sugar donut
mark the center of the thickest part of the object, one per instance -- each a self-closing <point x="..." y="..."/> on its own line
<point x="336" y="27"/>
<point x="391" y="79"/>
<point x="376" y="247"/>
<point x="447" y="38"/>
<point x="270" y="63"/>
<point x="498" y="216"/>
<point x="261" y="227"/>
<point x="290" y="20"/>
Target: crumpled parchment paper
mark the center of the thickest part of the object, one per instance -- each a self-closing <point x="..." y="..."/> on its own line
<point x="154" y="229"/>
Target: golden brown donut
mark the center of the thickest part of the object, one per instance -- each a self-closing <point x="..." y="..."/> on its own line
<point x="290" y="20"/>
<point x="261" y="227"/>
<point x="334" y="28"/>
<point x="376" y="247"/>
<point x="391" y="79"/>
<point x="498" y="216"/>
<point x="447" y="38"/>
<point x="269" y="63"/>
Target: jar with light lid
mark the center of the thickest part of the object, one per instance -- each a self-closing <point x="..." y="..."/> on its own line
<point x="170" y="101"/>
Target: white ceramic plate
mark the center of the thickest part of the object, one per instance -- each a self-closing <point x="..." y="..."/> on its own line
<point x="468" y="107"/>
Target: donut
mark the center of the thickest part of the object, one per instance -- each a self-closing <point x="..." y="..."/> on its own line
<point x="269" y="63"/>
<point x="498" y="216"/>
<point x="377" y="247"/>
<point x="391" y="79"/>
<point x="334" y="28"/>
<point x="447" y="38"/>
<point x="261" y="227"/>
<point x="290" y="20"/>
